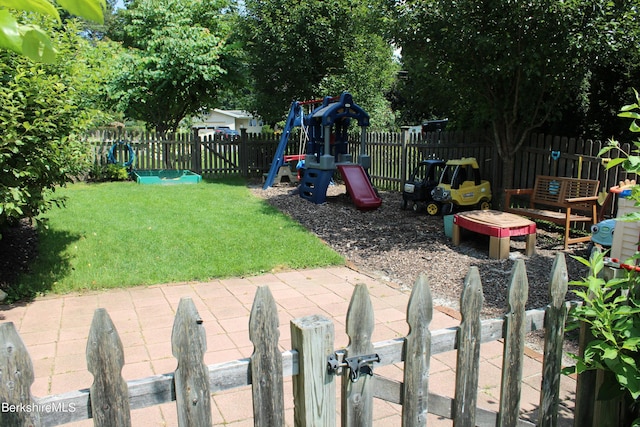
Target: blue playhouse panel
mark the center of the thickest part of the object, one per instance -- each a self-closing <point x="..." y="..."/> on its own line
<point x="166" y="176"/>
<point x="314" y="184"/>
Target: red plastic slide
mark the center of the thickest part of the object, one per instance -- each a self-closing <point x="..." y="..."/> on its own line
<point x="359" y="187"/>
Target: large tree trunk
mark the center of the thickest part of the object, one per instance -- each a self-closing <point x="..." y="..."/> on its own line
<point x="508" y="139"/>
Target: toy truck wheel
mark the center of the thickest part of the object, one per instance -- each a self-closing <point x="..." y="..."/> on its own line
<point x="433" y="208"/>
<point x="484" y="205"/>
<point x="416" y="207"/>
<point x="405" y="204"/>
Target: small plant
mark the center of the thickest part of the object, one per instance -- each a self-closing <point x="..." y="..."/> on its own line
<point x="109" y="172"/>
<point x="611" y="307"/>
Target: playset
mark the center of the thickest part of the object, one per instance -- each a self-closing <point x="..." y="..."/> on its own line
<point x="326" y="151"/>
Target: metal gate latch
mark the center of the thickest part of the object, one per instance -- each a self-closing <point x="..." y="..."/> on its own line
<point x="357" y="365"/>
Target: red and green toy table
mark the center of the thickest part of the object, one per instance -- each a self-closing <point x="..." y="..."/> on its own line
<point x="499" y="226"/>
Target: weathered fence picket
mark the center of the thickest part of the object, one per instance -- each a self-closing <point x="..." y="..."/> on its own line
<point x="189" y="343"/>
<point x="554" y="326"/>
<point x="16" y="378"/>
<point x="468" y="366"/>
<point x="105" y="359"/>
<point x="357" y="398"/>
<point x="417" y="355"/>
<point x="513" y="347"/>
<point x="110" y="399"/>
<point x="266" y="361"/>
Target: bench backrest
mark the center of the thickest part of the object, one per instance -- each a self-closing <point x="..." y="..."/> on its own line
<point x="554" y="191"/>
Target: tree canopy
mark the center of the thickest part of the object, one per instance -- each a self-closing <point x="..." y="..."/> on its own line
<point x="508" y="65"/>
<point x="178" y="59"/>
<point x="307" y="50"/>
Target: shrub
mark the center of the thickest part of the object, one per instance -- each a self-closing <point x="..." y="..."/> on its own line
<point x="45" y="109"/>
<point x="611" y="308"/>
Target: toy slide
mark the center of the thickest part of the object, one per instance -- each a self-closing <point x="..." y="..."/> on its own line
<point x="359" y="187"/>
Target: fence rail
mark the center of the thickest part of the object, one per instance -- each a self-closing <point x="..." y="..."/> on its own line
<point x="110" y="399"/>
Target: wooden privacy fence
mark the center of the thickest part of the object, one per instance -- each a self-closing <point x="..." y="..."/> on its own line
<point x="393" y="155"/>
<point x="315" y="366"/>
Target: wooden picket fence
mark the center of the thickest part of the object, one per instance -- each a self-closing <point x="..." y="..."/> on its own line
<point x="313" y="363"/>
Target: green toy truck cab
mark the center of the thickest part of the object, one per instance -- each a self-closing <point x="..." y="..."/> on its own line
<point x="461" y="186"/>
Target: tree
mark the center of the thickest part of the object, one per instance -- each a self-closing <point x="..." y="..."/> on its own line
<point x="307" y="50"/>
<point x="178" y="59"/>
<point x="31" y="40"/>
<point x="505" y="64"/>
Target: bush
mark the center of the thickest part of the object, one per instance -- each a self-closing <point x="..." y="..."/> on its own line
<point x="45" y="109"/>
<point x="109" y="172"/>
<point x="611" y="308"/>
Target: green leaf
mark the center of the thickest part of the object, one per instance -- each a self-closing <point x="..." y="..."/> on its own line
<point x="629" y="114"/>
<point x="631" y="344"/>
<point x="92" y="10"/>
<point x="610" y="353"/>
<point x="9" y="32"/>
<point x="37" y="46"/>
<point x="43" y="7"/>
<point x="614" y="162"/>
<point x="628" y="108"/>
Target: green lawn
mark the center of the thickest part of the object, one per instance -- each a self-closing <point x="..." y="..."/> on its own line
<point x="126" y="234"/>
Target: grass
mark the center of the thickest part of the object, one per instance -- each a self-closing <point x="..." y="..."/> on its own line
<point x="126" y="234"/>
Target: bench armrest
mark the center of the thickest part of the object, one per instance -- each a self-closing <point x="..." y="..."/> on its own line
<point x="515" y="192"/>
<point x="582" y="199"/>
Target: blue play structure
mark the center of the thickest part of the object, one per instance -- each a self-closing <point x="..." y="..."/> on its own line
<point x="327" y="150"/>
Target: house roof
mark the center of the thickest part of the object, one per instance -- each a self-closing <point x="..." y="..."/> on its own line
<point x="236" y="114"/>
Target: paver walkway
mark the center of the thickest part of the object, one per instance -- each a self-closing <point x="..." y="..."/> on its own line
<point x="55" y="329"/>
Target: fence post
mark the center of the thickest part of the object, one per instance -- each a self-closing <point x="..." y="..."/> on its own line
<point x="266" y="361"/>
<point x="403" y="157"/>
<point x="16" y="378"/>
<point x="468" y="362"/>
<point x="417" y="351"/>
<point x="243" y="161"/>
<point x="196" y="152"/>
<point x="554" y="320"/>
<point x="357" y="396"/>
<point x="512" y="360"/>
<point x="314" y="390"/>
<point x="189" y="343"/>
<point x="105" y="359"/>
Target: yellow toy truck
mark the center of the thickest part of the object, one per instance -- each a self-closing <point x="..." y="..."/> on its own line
<point x="460" y="186"/>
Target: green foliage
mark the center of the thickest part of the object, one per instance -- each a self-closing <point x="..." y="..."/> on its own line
<point x="308" y="50"/>
<point x="508" y="64"/>
<point x="178" y="59"/>
<point x="109" y="172"/>
<point x="611" y="308"/>
<point x="31" y="40"/>
<point x="45" y="109"/>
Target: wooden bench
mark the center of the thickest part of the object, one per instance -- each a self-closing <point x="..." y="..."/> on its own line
<point x="559" y="200"/>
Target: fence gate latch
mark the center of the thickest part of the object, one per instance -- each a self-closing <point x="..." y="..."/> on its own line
<point x="357" y="365"/>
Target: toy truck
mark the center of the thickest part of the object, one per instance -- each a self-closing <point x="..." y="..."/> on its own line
<point x="461" y="187"/>
<point x="423" y="179"/>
